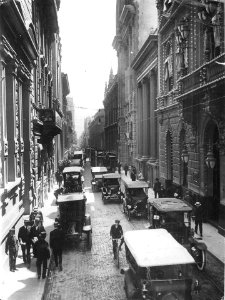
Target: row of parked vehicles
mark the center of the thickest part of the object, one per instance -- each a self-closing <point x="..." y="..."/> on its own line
<point x="160" y="260"/>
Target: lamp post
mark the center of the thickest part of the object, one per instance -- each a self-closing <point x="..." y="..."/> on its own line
<point x="210" y="159"/>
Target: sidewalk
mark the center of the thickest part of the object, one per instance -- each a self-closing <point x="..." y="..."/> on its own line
<point x="215" y="242"/>
<point x="23" y="284"/>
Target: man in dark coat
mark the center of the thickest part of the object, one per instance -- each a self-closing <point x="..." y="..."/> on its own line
<point x="157" y="188"/>
<point x="11" y="247"/>
<point x="56" y="244"/>
<point x="198" y="217"/>
<point x="35" y="231"/>
<point x="43" y="254"/>
<point x="24" y="241"/>
<point x="116" y="232"/>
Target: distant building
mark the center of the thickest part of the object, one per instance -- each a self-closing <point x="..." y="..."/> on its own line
<point x="96" y="131"/>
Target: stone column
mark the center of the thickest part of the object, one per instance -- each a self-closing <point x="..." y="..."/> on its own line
<point x="145" y="116"/>
<point x="139" y="119"/>
<point x="153" y="91"/>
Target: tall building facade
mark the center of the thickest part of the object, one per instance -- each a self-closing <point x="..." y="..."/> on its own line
<point x="134" y="21"/>
<point x="111" y="115"/>
<point x="190" y="106"/>
<point x="30" y="106"/>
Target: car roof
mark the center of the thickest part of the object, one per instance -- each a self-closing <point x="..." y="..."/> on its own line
<point x="99" y="169"/>
<point x="111" y="175"/>
<point x="135" y="184"/>
<point x="70" y="197"/>
<point x="156" y="247"/>
<point x="171" y="204"/>
<point x="75" y="169"/>
<point x="98" y="176"/>
<point x="78" y="152"/>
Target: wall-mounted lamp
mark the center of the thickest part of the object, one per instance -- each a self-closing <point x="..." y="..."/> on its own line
<point x="184" y="154"/>
<point x="210" y="159"/>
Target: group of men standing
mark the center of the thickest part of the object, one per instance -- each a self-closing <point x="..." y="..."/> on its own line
<point x="32" y="235"/>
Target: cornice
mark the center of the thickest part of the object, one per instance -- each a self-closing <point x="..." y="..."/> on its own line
<point x="150" y="44"/>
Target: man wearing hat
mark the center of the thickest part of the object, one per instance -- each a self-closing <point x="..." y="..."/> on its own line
<point x="116" y="232"/>
<point x="56" y="244"/>
<point x="198" y="217"/>
<point x="36" y="229"/>
<point x="11" y="247"/>
<point x="43" y="254"/>
<point x="25" y="241"/>
<point x="36" y="213"/>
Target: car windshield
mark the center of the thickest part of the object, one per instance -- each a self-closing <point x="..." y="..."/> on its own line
<point x="111" y="181"/>
<point x="136" y="192"/>
<point x="166" y="272"/>
<point x="77" y="156"/>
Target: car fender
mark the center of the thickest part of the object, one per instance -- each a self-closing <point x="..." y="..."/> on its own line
<point x="129" y="284"/>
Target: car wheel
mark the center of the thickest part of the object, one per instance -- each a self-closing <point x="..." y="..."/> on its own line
<point x="201" y="262"/>
<point x="89" y="240"/>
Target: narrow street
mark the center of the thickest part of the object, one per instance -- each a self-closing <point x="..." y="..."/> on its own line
<point x="93" y="274"/>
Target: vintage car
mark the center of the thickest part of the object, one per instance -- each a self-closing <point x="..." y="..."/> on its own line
<point x="78" y="158"/>
<point x="73" y="179"/>
<point x="159" y="266"/>
<point x="97" y="181"/>
<point x="174" y="215"/>
<point x="111" y="187"/>
<point x="73" y="218"/>
<point x="135" y="198"/>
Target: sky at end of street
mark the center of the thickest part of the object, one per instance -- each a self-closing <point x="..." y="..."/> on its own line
<point x="87" y="29"/>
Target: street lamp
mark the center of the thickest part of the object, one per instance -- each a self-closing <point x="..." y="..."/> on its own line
<point x="210" y="159"/>
<point x="185" y="155"/>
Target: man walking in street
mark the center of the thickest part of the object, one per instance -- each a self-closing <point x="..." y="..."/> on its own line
<point x="56" y="244"/>
<point x="35" y="231"/>
<point x="11" y="247"/>
<point x="25" y="242"/>
<point x="157" y="188"/>
<point x="126" y="169"/>
<point x="43" y="254"/>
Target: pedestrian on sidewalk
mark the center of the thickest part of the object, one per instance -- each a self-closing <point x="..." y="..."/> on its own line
<point x="133" y="173"/>
<point x="43" y="254"/>
<point x="25" y="242"/>
<point x="157" y="188"/>
<point x="126" y="169"/>
<point x="56" y="244"/>
<point x="35" y="231"/>
<point x="11" y="248"/>
<point x="198" y="213"/>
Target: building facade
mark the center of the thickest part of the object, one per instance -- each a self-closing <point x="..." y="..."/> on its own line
<point x="96" y="131"/>
<point x="30" y="106"/>
<point x="111" y="115"/>
<point x="134" y="22"/>
<point x="190" y="106"/>
<point x="145" y="65"/>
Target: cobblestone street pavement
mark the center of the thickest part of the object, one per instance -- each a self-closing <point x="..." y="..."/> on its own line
<point x="93" y="274"/>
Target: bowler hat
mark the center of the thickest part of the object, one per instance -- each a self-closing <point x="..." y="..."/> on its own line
<point x="197" y="203"/>
<point x="117" y="221"/>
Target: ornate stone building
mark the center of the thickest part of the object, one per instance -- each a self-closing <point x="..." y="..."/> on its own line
<point x="191" y="104"/>
<point x="111" y="115"/>
<point x="134" y="22"/>
<point x="30" y="105"/>
<point x="96" y="131"/>
<point x="145" y="65"/>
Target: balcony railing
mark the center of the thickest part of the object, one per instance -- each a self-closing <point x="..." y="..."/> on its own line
<point x="208" y="74"/>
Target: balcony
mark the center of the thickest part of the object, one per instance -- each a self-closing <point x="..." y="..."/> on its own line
<point x="52" y="122"/>
<point x="207" y="76"/>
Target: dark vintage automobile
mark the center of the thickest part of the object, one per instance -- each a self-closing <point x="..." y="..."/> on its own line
<point x="174" y="215"/>
<point x="111" y="188"/>
<point x="97" y="180"/>
<point x="73" y="218"/>
<point x="159" y="266"/>
<point x="73" y="179"/>
<point x="135" y="198"/>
